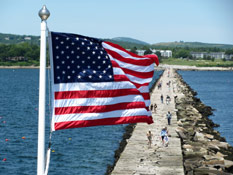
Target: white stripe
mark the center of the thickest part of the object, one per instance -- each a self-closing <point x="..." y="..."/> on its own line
<point x="94" y="116"/>
<point x="134" y="67"/>
<point x="98" y="101"/>
<point x="118" y="71"/>
<point x="93" y="86"/>
<point x="144" y="89"/>
<point x="122" y="53"/>
<point x="139" y="80"/>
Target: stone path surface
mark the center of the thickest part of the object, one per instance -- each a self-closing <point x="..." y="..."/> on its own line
<point x="138" y="158"/>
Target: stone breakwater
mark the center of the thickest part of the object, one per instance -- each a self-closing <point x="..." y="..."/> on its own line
<point x="204" y="150"/>
<point x="194" y="146"/>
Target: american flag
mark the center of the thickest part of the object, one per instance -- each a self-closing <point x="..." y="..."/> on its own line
<point x="95" y="82"/>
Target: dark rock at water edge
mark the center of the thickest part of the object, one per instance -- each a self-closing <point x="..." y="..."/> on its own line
<point x="204" y="150"/>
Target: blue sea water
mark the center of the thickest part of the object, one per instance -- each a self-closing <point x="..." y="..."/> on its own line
<point x="215" y="89"/>
<point x="75" y="151"/>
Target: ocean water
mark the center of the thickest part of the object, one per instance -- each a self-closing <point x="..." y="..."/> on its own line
<point x="215" y="89"/>
<point x="74" y="151"/>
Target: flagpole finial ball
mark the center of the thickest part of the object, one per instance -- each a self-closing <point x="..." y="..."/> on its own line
<point x="44" y="13"/>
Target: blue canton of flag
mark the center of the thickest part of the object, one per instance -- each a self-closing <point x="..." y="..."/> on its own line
<point x="80" y="59"/>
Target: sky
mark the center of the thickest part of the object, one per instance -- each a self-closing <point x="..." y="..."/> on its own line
<point x="152" y="21"/>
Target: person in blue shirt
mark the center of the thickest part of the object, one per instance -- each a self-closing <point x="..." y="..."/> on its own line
<point x="164" y="136"/>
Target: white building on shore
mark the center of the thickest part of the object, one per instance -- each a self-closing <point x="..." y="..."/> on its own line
<point x="164" y="53"/>
<point x="216" y="55"/>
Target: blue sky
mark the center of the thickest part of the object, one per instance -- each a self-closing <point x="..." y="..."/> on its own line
<point x="151" y="21"/>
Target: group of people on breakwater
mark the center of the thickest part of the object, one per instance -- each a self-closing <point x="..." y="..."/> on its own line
<point x="164" y="132"/>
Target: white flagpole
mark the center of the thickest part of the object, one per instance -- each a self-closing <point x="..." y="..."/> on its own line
<point x="44" y="14"/>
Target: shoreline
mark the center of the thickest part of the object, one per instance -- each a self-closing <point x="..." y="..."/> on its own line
<point x="160" y="67"/>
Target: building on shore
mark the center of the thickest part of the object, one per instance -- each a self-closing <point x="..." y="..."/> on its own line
<point x="164" y="53"/>
<point x="216" y="55"/>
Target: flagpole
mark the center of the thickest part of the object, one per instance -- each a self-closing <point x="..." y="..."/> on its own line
<point x="44" y="14"/>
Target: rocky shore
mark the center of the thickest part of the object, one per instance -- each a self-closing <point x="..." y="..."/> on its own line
<point x="204" y="150"/>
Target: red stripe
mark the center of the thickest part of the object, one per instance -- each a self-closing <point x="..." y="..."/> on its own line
<point x="107" y="121"/>
<point x="122" y="49"/>
<point x="146" y="96"/>
<point x="132" y="72"/>
<point x="143" y="62"/>
<point x="98" y="109"/>
<point x="124" y="78"/>
<point x="95" y="93"/>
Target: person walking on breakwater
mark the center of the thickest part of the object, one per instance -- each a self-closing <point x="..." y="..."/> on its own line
<point x="164" y="136"/>
<point x="155" y="107"/>
<point x="168" y="99"/>
<point x="149" y="137"/>
<point x="151" y="107"/>
<point x="169" y="116"/>
<point x="161" y="98"/>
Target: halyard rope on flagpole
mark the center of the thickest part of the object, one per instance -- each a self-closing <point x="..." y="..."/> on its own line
<point x="48" y="154"/>
<point x="44" y="14"/>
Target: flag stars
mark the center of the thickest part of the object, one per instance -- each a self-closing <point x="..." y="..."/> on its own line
<point x="100" y="76"/>
<point x="78" y="57"/>
<point x="84" y="71"/>
<point x="67" y="47"/>
<point x="73" y="71"/>
<point x="57" y="57"/>
<point x="62" y="52"/>
<point x="72" y="61"/>
<point x="83" y="61"/>
<point x="93" y="62"/>
<point x="58" y="67"/>
<point x="57" y="38"/>
<point x="57" y="47"/>
<point x="67" y="38"/>
<point x="83" y="53"/>
<point x="104" y="71"/>
<point x="94" y="72"/>
<point x="110" y="76"/>
<point x="63" y="62"/>
<point x="63" y="72"/>
<point x="72" y="52"/>
<point x="58" y="78"/>
<point x="78" y="48"/>
<point x="68" y="57"/>
<point x="77" y="38"/>
<point x="90" y="76"/>
<point x="93" y="52"/>
<point x="78" y="67"/>
<point x="68" y="67"/>
<point x="72" y="43"/>
<point x="79" y="76"/>
<point x="62" y="42"/>
<point x="83" y="43"/>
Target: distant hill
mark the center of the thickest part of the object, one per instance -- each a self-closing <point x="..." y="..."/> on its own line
<point x="192" y="45"/>
<point x="123" y="41"/>
<point x="16" y="39"/>
<point x="129" y="40"/>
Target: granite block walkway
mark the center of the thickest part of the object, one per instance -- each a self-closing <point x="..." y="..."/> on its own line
<point x="138" y="158"/>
